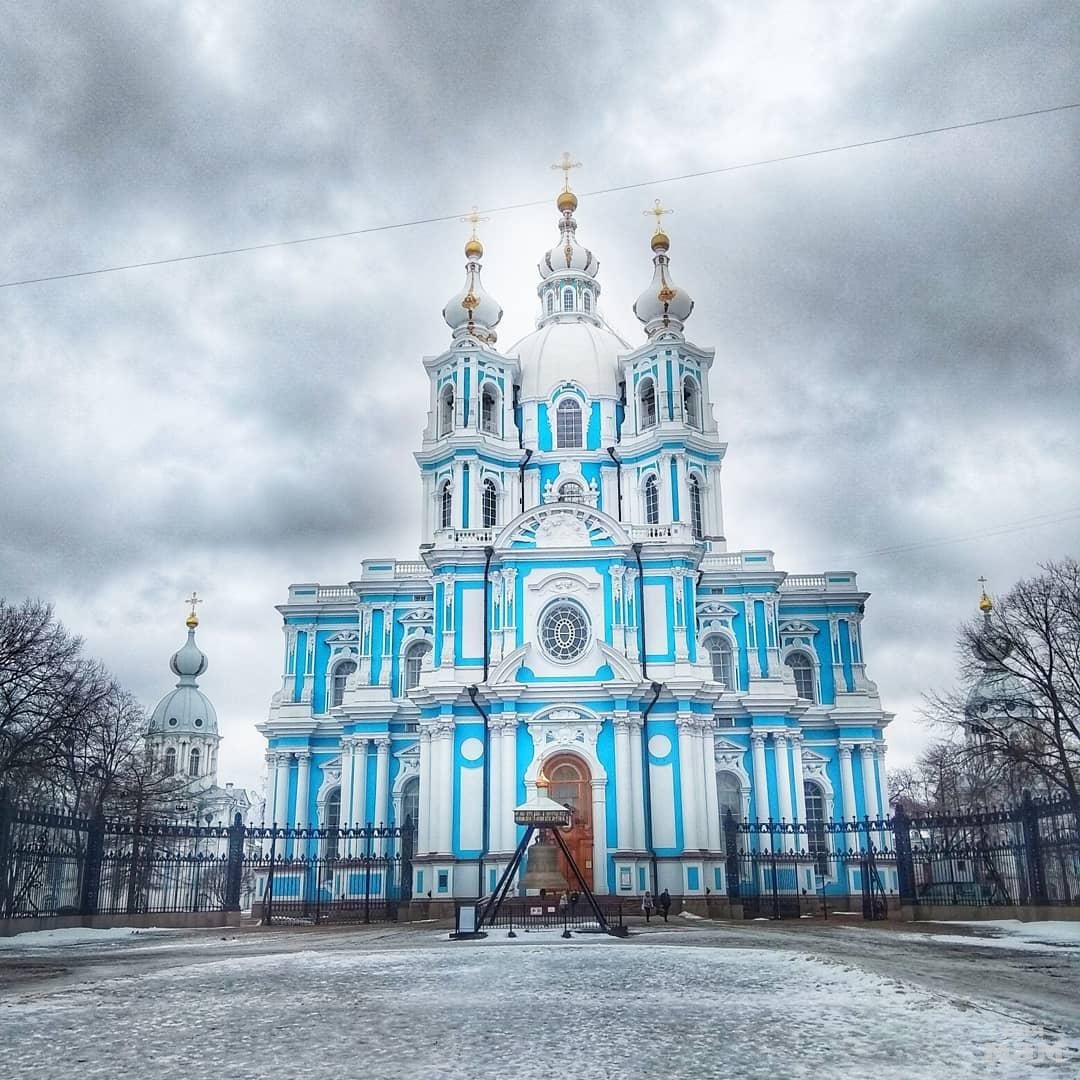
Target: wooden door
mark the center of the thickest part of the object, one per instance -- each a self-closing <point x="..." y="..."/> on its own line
<point x="571" y="786"/>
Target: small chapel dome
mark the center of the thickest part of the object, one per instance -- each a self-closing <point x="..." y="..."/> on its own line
<point x="568" y="254"/>
<point x="186" y="710"/>
<point x="472" y="312"/>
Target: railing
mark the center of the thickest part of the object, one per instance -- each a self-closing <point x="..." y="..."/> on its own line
<point x="553" y="912"/>
<point x="414" y="568"/>
<point x="450" y="537"/>
<point x="738" y="560"/>
<point x="335" y="592"/>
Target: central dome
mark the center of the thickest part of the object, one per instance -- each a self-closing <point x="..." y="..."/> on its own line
<point x="569" y="349"/>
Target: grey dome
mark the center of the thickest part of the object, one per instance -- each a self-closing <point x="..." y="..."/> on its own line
<point x="186" y="709"/>
<point x="996" y="694"/>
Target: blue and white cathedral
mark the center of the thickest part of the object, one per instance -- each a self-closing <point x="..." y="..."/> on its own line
<point x="574" y="612"/>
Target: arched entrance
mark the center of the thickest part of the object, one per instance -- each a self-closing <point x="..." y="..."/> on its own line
<point x="571" y="785"/>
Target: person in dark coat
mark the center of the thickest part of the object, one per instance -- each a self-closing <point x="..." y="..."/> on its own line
<point x="665" y="904"/>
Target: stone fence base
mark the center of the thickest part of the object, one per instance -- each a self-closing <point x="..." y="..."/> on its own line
<point x="968" y="913"/>
<point x="167" y="920"/>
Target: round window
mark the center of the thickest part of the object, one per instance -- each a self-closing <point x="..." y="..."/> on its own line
<point x="564" y="632"/>
<point x="198" y="721"/>
<point x="172" y="721"/>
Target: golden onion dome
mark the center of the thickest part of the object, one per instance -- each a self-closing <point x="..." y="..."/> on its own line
<point x="566" y="202"/>
<point x="986" y="605"/>
<point x="473" y="248"/>
<point x="660" y="241"/>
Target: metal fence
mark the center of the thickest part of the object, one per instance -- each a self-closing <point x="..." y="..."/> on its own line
<point x="57" y="864"/>
<point x="550" y="912"/>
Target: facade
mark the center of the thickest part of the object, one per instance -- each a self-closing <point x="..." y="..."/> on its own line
<point x="575" y="610"/>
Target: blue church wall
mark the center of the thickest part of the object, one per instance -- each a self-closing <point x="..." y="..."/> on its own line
<point x="592" y="434"/>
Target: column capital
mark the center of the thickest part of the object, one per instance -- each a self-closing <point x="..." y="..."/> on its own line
<point x="757" y="738"/>
<point x="780" y="738"/>
<point x="284" y="757"/>
<point x="845" y="751"/>
<point x="304" y="757"/>
<point x="621" y="724"/>
<point x="382" y="744"/>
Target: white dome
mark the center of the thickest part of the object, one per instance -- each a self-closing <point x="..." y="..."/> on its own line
<point x="472" y="310"/>
<point x="184" y="711"/>
<point x="569" y="349"/>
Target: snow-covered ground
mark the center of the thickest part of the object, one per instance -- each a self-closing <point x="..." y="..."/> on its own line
<point x="591" y="1008"/>
<point x="74" y="935"/>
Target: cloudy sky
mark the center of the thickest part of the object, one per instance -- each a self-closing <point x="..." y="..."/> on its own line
<point x="896" y="328"/>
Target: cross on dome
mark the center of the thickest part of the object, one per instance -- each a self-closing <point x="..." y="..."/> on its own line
<point x="473" y="248"/>
<point x="566" y="163"/>
<point x="192" y="620"/>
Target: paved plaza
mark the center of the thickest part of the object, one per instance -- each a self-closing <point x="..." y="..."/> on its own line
<point x="702" y="1000"/>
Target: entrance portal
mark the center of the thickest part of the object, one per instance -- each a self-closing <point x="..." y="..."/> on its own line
<point x="571" y="785"/>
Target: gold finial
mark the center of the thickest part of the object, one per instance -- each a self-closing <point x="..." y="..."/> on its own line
<point x="473" y="248"/>
<point x="660" y="241"/>
<point x="986" y="605"/>
<point x="542" y="782"/>
<point x="192" y="620"/>
<point x="567" y="200"/>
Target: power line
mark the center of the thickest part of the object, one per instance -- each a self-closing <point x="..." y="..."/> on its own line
<point x="1019" y="525"/>
<point x="436" y="219"/>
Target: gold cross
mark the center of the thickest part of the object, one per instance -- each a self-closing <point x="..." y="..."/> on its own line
<point x="193" y="599"/>
<point x="474" y="219"/>
<point x="657" y="212"/>
<point x="982" y="582"/>
<point x="566" y="163"/>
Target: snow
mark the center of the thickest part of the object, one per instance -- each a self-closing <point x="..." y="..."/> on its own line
<point x="1017" y="935"/>
<point x="74" y="935"/>
<point x="608" y="1008"/>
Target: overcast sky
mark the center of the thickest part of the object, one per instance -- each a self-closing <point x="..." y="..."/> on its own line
<point x="896" y="328"/>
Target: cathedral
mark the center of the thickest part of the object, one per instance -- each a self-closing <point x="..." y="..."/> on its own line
<point x="575" y="617"/>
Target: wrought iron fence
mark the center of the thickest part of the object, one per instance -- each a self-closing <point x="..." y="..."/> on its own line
<point x="552" y="912"/>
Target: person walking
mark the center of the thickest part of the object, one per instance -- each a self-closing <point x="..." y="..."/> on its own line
<point x="665" y="904"/>
<point x="648" y="905"/>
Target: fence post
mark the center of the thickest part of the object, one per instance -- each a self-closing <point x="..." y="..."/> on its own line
<point x="7" y="870"/>
<point x="905" y="859"/>
<point x="268" y="894"/>
<point x="731" y="849"/>
<point x="91" y="878"/>
<point x="234" y="868"/>
<point x="1029" y="822"/>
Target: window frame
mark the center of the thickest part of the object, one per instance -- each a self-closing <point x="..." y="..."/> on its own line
<point x="446" y="505"/>
<point x="415" y="650"/>
<point x="489" y="418"/>
<point x="489" y="504"/>
<point x="807" y="667"/>
<point x="447" y="405"/>
<point x="697" y="507"/>
<point x="338" y="678"/>
<point x="715" y="643"/>
<point x="694" y="396"/>
<point x="647" y="385"/>
<point x="567" y="300"/>
<point x="650" y="498"/>
<point x="566" y="407"/>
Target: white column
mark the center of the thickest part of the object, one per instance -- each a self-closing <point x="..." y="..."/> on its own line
<point x="667" y="508"/>
<point x="800" y="788"/>
<point x="444" y="819"/>
<point x="870" y="790"/>
<point x="847" y="787"/>
<point x="509" y="783"/>
<point x="883" y="785"/>
<point x="599" y="859"/>
<point x="345" y="812"/>
<point x="495" y="807"/>
<point x="382" y="789"/>
<point x="359" y="792"/>
<point x="623" y="803"/>
<point x="689" y="773"/>
<point x="637" y="781"/>
<point x="783" y="775"/>
<point x="271" y="786"/>
<point x="281" y="789"/>
<point x="761" y="782"/>
<point x="303" y="787"/>
<point x="713" y="830"/>
<point x="423" y="836"/>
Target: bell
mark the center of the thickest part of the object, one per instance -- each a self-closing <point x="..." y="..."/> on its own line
<point x="542" y="869"/>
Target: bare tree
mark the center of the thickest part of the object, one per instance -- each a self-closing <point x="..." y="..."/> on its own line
<point x="1024" y="654"/>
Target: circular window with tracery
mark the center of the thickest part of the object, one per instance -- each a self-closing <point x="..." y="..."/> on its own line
<point x="564" y="632"/>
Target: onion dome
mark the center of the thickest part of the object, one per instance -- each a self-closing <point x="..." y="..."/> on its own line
<point x="186" y="709"/>
<point x="568" y="254"/>
<point x="473" y="312"/>
<point x="662" y="306"/>
<point x="991" y="647"/>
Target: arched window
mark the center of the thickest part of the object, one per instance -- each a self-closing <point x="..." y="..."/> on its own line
<point x="652" y="501"/>
<point x="722" y="660"/>
<point x="332" y="822"/>
<point x="802" y="667"/>
<point x="571" y="491"/>
<point x="695" y="508"/>
<point x="410" y="804"/>
<point x="647" y="403"/>
<point x="816" y="841"/>
<point x="341" y="676"/>
<point x="489" y="504"/>
<point x="586" y="300"/>
<point x="193" y="763"/>
<point x="446" y="505"/>
<point x="446" y="411"/>
<point x="414" y="664"/>
<point x="170" y="761"/>
<point x="568" y="300"/>
<point x="489" y="409"/>
<point x="568" y="423"/>
<point x="729" y="796"/>
<point x="691" y="396"/>
<point x="550" y="302"/>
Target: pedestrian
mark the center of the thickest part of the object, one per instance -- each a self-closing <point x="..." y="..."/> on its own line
<point x="665" y="904"/>
<point x="648" y="905"/>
